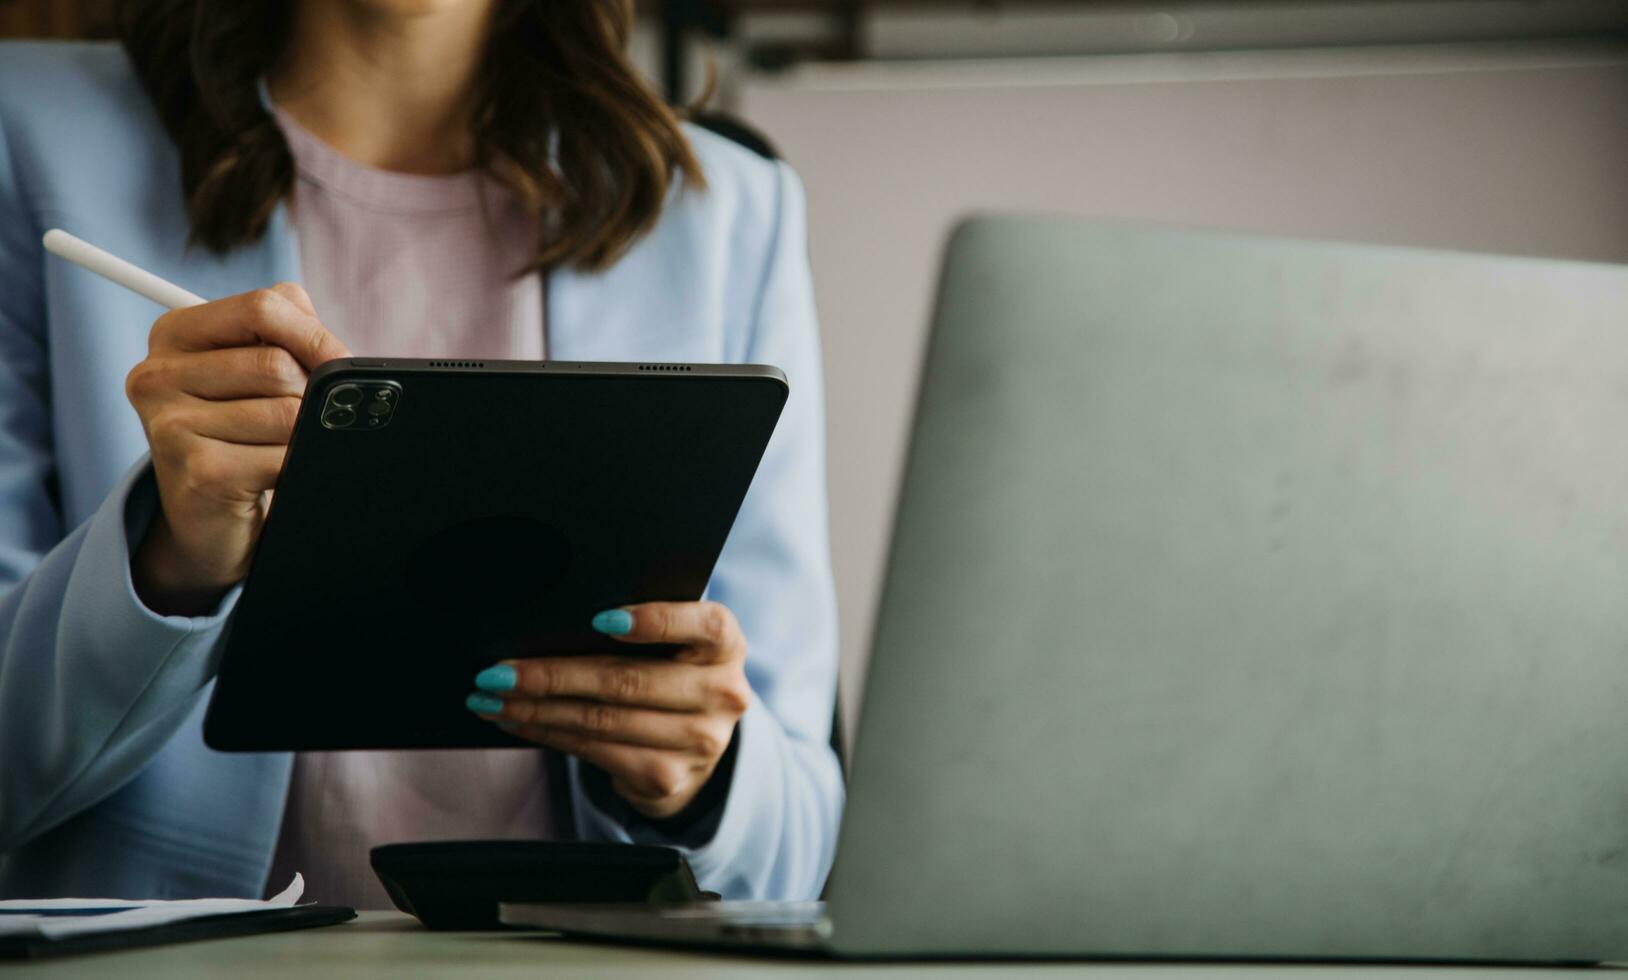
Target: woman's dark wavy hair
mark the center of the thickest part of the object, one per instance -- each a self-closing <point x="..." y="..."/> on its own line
<point x="555" y="72"/>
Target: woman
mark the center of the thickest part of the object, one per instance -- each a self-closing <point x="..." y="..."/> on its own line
<point x="448" y="178"/>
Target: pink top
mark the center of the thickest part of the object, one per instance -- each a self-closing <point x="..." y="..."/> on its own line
<point x="409" y="266"/>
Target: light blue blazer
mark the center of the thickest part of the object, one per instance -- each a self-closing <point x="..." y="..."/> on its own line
<point x="106" y="787"/>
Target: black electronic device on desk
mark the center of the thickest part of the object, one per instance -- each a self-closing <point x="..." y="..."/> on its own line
<point x="434" y="517"/>
<point x="459" y="884"/>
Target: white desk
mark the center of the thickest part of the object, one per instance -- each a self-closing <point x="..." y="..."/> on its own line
<point x="387" y="944"/>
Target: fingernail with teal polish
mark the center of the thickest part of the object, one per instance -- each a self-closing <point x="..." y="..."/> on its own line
<point x="498" y="677"/>
<point x="615" y="622"/>
<point x="483" y="704"/>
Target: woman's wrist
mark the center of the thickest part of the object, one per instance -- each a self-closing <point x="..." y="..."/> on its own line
<point x="698" y="821"/>
<point x="163" y="580"/>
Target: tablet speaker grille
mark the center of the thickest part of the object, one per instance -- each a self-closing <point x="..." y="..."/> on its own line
<point x="474" y="364"/>
<point x="664" y="367"/>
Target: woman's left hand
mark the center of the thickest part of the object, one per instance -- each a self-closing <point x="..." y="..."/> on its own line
<point x="656" y="726"/>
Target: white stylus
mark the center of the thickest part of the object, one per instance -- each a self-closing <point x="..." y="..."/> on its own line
<point x="115" y="269"/>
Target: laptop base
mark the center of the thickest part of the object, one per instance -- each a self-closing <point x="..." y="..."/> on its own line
<point x="780" y="928"/>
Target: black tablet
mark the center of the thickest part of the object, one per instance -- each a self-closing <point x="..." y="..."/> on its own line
<point x="434" y="517"/>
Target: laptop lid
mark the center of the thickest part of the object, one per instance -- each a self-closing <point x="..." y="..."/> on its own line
<point x="1256" y="598"/>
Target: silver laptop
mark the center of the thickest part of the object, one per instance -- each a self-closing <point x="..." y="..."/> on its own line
<point x="1247" y="598"/>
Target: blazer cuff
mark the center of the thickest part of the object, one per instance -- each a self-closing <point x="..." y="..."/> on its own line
<point x="132" y="648"/>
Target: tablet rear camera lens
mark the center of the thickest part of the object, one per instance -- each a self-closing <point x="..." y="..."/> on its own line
<point x="361" y="405"/>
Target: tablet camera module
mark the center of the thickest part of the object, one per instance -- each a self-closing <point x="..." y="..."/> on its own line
<point x="361" y="406"/>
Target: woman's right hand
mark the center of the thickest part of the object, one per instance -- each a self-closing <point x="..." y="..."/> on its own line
<point x="218" y="395"/>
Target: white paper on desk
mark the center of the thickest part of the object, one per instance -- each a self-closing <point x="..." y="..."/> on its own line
<point x="135" y="915"/>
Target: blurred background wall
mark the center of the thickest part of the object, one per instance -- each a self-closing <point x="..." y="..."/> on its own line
<point x="1495" y="125"/>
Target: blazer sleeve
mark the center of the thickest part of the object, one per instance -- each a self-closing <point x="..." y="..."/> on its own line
<point x="774" y="833"/>
<point x="92" y="683"/>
